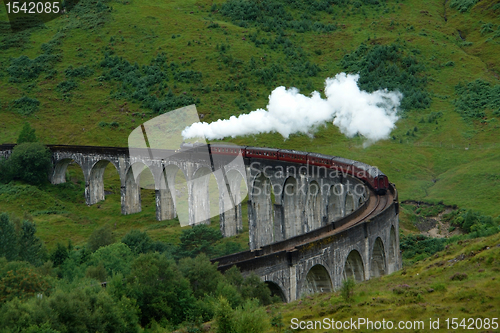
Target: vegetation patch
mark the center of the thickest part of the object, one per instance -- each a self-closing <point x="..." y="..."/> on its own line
<point x="476" y="97"/>
<point x="390" y="67"/>
<point x="147" y="84"/>
<point x="25" y="105"/>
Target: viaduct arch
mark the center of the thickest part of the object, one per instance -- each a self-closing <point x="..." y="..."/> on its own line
<point x="308" y="231"/>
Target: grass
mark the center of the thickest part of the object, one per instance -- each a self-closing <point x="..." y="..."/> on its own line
<point x="458" y="282"/>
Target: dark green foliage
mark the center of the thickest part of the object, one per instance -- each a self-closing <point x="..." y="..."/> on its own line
<point x="475" y="97"/>
<point x="89" y="309"/>
<point x="417" y="247"/>
<point x="9" y="246"/>
<point x="100" y="237"/>
<point x="29" y="162"/>
<point x="81" y="72"/>
<point x="138" y="241"/>
<point x="388" y="67"/>
<point x="27" y="134"/>
<point x="274" y="15"/>
<point x="224" y="317"/>
<point x="202" y="274"/>
<point x="160" y="289"/>
<point x="24" y="69"/>
<point x="472" y="222"/>
<point x="198" y="239"/>
<point x="147" y="84"/>
<point x="59" y="254"/>
<point x="462" y="5"/>
<point x="347" y="289"/>
<point x="88" y="14"/>
<point x="31" y="248"/>
<point x="25" y="105"/>
<point x="116" y="258"/>
<point x="66" y="86"/>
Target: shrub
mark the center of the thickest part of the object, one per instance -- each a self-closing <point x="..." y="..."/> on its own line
<point x="462" y="5"/>
<point x="475" y="97"/>
<point x="66" y="86"/>
<point x="29" y="162"/>
<point x="82" y="71"/>
<point x="388" y="67"/>
<point x="100" y="237"/>
<point x="458" y="276"/>
<point x="25" y="105"/>
<point x="27" y="134"/>
<point x="347" y="289"/>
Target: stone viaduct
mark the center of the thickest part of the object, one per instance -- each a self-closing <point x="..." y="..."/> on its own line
<point x="308" y="230"/>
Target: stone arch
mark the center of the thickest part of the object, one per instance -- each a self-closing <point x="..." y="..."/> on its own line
<point x="291" y="208"/>
<point x="378" y="264"/>
<point x="393" y="251"/>
<point x="313" y="206"/>
<point x="353" y="267"/>
<point x="335" y="202"/>
<point x="199" y="207"/>
<point x="276" y="290"/>
<point x="349" y="204"/>
<point x="60" y="168"/>
<point x="262" y="212"/>
<point x="232" y="210"/>
<point x="131" y="200"/>
<point x="317" y="280"/>
<point x="95" y="190"/>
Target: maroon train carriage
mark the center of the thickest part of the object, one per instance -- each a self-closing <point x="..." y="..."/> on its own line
<point x="265" y="153"/>
<point x="292" y="156"/>
<point x="372" y="176"/>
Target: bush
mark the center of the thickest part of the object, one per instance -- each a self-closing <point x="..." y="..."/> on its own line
<point x="388" y="67"/>
<point x="475" y="97"/>
<point x="66" y="86"/>
<point x="25" y="105"/>
<point x="29" y="162"/>
<point x="27" y="134"/>
<point x="462" y="5"/>
<point x="100" y="237"/>
<point x="347" y="289"/>
<point x="82" y="72"/>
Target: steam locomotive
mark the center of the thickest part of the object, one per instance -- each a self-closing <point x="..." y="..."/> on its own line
<point x="372" y="176"/>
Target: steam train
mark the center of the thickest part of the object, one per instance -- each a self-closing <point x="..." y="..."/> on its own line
<point x="372" y="176"/>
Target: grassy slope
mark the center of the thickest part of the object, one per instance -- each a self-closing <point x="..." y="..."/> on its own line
<point x="432" y="166"/>
<point x="420" y="292"/>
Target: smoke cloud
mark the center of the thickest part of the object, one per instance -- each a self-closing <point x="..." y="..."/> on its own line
<point x="353" y="111"/>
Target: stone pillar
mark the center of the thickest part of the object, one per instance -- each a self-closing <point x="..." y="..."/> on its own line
<point x="165" y="209"/>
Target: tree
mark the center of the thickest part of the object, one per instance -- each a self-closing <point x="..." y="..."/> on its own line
<point x="19" y="279"/>
<point x="199" y="239"/>
<point x="138" y="241"/>
<point x="224" y="317"/>
<point x="30" y="246"/>
<point x="8" y="238"/>
<point x="100" y="237"/>
<point x="27" y="134"/>
<point x="59" y="255"/>
<point x="29" y="162"/>
<point x="115" y="258"/>
<point x="202" y="274"/>
<point x="162" y="293"/>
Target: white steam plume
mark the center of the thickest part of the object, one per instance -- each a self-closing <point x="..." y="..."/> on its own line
<point x="353" y="111"/>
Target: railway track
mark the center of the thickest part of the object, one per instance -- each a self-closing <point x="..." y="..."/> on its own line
<point x="376" y="204"/>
